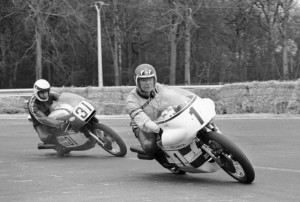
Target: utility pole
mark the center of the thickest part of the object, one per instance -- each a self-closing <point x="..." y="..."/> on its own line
<point x="98" y="6"/>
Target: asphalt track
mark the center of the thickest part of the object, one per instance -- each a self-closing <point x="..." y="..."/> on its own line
<point x="28" y="174"/>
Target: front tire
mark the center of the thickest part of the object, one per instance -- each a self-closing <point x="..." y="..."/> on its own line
<point x="234" y="161"/>
<point x="117" y="146"/>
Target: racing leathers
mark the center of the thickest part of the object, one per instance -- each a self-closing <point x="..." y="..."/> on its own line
<point x="143" y="111"/>
<point x="39" y="112"/>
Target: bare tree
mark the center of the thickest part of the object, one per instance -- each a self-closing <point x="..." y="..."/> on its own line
<point x="277" y="16"/>
<point x="43" y="18"/>
<point x="284" y="8"/>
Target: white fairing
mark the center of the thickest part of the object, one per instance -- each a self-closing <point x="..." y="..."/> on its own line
<point x="179" y="134"/>
<point x="60" y="111"/>
<point x="182" y="129"/>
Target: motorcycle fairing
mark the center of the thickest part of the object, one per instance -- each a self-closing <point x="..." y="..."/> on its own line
<point x="179" y="139"/>
<point x="181" y="128"/>
<point x="83" y="113"/>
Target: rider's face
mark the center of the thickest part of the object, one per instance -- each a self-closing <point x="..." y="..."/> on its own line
<point x="147" y="84"/>
<point x="43" y="94"/>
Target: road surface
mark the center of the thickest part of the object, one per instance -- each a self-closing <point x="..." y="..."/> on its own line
<point x="28" y="174"/>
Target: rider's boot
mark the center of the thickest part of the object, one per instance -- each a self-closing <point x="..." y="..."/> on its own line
<point x="144" y="156"/>
<point x="51" y="140"/>
<point x="141" y="154"/>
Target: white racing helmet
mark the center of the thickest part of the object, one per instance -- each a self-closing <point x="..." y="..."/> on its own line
<point x="39" y="86"/>
<point x="144" y="71"/>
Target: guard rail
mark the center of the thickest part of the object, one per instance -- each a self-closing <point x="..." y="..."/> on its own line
<point x="16" y="92"/>
<point x="27" y="92"/>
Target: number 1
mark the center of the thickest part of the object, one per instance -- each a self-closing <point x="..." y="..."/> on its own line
<point x="193" y="111"/>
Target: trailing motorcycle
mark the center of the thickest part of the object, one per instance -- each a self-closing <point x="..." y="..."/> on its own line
<point x="192" y="142"/>
<point x="83" y="130"/>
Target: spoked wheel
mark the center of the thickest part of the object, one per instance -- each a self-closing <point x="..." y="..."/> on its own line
<point x="232" y="160"/>
<point x="112" y="142"/>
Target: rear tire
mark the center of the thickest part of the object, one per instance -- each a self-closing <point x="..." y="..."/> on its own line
<point x="235" y="162"/>
<point x="118" y="147"/>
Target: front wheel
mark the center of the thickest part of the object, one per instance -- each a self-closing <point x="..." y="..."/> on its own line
<point x="113" y="143"/>
<point x="232" y="160"/>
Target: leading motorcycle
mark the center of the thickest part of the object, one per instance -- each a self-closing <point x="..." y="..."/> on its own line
<point x="191" y="142"/>
<point x="83" y="130"/>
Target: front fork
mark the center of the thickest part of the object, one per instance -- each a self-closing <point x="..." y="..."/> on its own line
<point x="85" y="130"/>
<point x="96" y="138"/>
<point x="201" y="144"/>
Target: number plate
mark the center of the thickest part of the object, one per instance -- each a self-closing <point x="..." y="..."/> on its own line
<point x="83" y="110"/>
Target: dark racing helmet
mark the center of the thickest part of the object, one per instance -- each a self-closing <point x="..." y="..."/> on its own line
<point x="41" y="86"/>
<point x="144" y="71"/>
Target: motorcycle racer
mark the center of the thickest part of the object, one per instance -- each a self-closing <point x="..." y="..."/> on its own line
<point x="143" y="105"/>
<point x="39" y="107"/>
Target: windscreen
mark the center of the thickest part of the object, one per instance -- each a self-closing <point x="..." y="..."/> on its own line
<point x="70" y="98"/>
<point x="173" y="100"/>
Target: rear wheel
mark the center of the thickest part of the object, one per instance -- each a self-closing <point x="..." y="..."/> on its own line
<point x="232" y="160"/>
<point x="113" y="143"/>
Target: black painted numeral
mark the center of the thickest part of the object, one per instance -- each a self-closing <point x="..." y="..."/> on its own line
<point x="194" y="112"/>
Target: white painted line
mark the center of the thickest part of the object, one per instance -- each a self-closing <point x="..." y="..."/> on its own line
<point x="278" y="169"/>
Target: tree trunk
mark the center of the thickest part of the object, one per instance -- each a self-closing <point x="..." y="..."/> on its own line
<point x="285" y="46"/>
<point x="187" y="58"/>
<point x="116" y="67"/>
<point x="173" y="56"/>
<point x="116" y="44"/>
<point x="286" y="6"/>
<point x="3" y="62"/>
<point x="119" y="58"/>
<point x="38" y="66"/>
